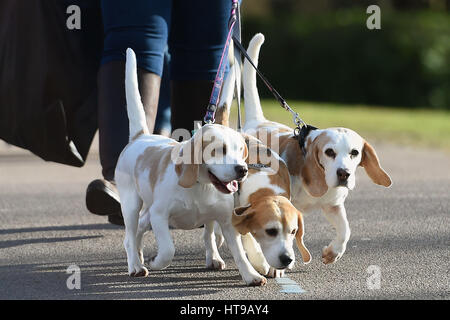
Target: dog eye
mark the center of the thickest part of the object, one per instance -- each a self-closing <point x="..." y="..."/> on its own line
<point x="354" y="153"/>
<point x="272" y="232"/>
<point x="330" y="153"/>
<point x="294" y="231"/>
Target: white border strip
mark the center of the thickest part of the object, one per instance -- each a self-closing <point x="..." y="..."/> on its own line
<point x="289" y="286"/>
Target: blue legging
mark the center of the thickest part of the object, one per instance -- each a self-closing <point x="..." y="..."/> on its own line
<point x="194" y="30"/>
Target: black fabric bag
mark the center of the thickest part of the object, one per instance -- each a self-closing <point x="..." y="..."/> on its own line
<point x="48" y="95"/>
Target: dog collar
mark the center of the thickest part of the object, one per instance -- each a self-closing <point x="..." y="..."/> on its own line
<point x="302" y="135"/>
<point x="257" y="166"/>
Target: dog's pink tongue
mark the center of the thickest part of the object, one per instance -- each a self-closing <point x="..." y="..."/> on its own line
<point x="232" y="186"/>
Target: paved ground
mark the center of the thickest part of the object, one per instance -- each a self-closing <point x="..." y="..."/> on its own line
<point x="403" y="231"/>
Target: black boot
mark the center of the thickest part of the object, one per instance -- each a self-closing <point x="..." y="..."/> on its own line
<point x="101" y="195"/>
<point x="189" y="100"/>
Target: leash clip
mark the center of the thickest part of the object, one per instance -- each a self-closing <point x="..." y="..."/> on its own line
<point x="209" y="116"/>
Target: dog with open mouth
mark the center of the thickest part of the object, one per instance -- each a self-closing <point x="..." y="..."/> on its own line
<point x="323" y="169"/>
<point x="163" y="183"/>
<point x="268" y="222"/>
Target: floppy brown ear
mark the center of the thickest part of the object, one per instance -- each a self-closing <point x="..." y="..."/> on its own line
<point x="245" y="156"/>
<point x="187" y="169"/>
<point x="241" y="219"/>
<point x="370" y="162"/>
<point x="251" y="145"/>
<point x="306" y="256"/>
<point x="313" y="174"/>
<point x="187" y="174"/>
<point x="283" y="172"/>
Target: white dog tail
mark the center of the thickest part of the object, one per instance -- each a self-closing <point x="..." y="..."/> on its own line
<point x="253" y="110"/>
<point x="135" y="108"/>
<point x="227" y="93"/>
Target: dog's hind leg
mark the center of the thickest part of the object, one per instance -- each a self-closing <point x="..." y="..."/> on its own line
<point x="143" y="227"/>
<point x="131" y="204"/>
<point x="213" y="259"/>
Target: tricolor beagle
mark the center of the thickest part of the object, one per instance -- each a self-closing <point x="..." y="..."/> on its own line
<point x="322" y="178"/>
<point x="185" y="185"/>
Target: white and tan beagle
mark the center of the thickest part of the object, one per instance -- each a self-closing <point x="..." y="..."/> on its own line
<point x="264" y="216"/>
<point x="322" y="178"/>
<point x="163" y="182"/>
<point x="266" y="219"/>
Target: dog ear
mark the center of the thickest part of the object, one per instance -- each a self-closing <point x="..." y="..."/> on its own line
<point x="306" y="256"/>
<point x="371" y="163"/>
<point x="251" y="151"/>
<point x="187" y="174"/>
<point x="313" y="174"/>
<point x="187" y="168"/>
<point x="283" y="172"/>
<point x="245" y="155"/>
<point x="241" y="219"/>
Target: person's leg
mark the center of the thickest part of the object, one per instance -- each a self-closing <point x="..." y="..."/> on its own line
<point x="142" y="26"/>
<point x="162" y="123"/>
<point x="196" y="44"/>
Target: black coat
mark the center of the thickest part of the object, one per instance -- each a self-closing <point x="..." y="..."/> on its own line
<point x="48" y="96"/>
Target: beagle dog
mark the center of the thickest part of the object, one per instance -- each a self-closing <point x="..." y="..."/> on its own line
<point x="264" y="216"/>
<point x="184" y="185"/>
<point x="324" y="171"/>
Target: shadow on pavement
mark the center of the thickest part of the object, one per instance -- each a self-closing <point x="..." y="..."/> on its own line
<point x="98" y="226"/>
<point x="110" y="281"/>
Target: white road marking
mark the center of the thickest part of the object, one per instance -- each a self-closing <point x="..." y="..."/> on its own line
<point x="289" y="286"/>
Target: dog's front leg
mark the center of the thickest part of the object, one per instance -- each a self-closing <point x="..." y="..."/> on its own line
<point x="166" y="248"/>
<point x="213" y="259"/>
<point x="337" y="216"/>
<point x="257" y="258"/>
<point x="248" y="273"/>
<point x="255" y="254"/>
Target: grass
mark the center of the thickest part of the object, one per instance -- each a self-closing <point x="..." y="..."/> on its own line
<point x="415" y="127"/>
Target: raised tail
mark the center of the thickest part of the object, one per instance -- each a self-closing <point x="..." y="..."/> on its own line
<point x="253" y="110"/>
<point x="227" y="94"/>
<point x="135" y="108"/>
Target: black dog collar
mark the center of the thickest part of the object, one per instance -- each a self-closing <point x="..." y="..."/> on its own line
<point x="303" y="134"/>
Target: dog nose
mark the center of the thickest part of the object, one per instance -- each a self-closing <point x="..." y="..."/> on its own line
<point x="241" y="171"/>
<point x="285" y="259"/>
<point x="342" y="175"/>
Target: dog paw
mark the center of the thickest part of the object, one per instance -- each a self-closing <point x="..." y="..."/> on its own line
<point x="329" y="255"/>
<point x="142" y="272"/>
<point x="263" y="269"/>
<point x="259" y="263"/>
<point x="257" y="281"/>
<point x="275" y="273"/>
<point x="216" y="264"/>
<point x="159" y="262"/>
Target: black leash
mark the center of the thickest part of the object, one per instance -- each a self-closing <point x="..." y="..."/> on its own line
<point x="302" y="129"/>
<point x="237" y="66"/>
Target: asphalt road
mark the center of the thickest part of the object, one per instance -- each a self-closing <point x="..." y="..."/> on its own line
<point x="401" y="234"/>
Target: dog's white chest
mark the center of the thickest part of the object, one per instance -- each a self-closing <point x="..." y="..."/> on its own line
<point x="198" y="206"/>
<point x="306" y="203"/>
